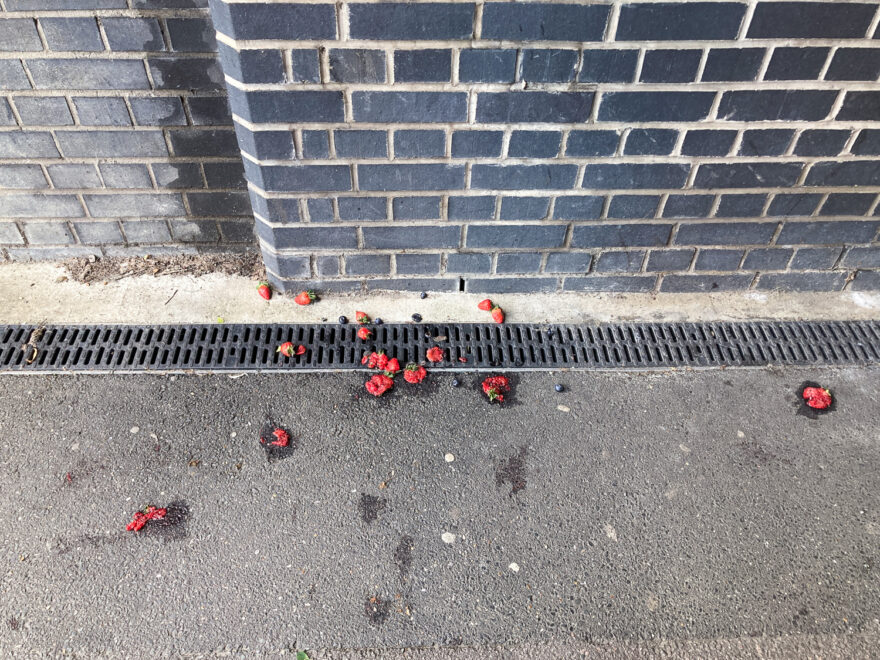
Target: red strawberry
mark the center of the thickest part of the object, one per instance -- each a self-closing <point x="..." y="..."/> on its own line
<point x="495" y="387"/>
<point x="366" y="358"/>
<point x="462" y="359"/>
<point x="264" y="290"/>
<point x="414" y="373"/>
<point x="486" y="305"/>
<point x="434" y="354"/>
<point x="286" y="349"/>
<point x="497" y="314"/>
<point x="300" y="350"/>
<point x="381" y="361"/>
<point x="142" y="517"/>
<point x="393" y="366"/>
<point x="379" y="384"/>
<point x="305" y="298"/>
<point x="375" y="360"/>
<point x="361" y="317"/>
<point x="365" y="333"/>
<point x="283" y="438"/>
<point x="817" y="397"/>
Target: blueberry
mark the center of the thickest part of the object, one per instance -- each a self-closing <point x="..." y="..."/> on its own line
<point x="559" y="388"/>
<point x="378" y="321"/>
<point x="343" y="320"/>
<point x="417" y="318"/>
<point x="455" y="382"/>
<point x="423" y="295"/>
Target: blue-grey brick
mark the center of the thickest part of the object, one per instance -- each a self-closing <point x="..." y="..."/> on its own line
<point x="805" y="20"/>
<point x="860" y="106"/>
<point x="42" y="5"/>
<point x="688" y="206"/>
<point x="815" y="258"/>
<point x="476" y="144"/>
<point x="767" y="259"/>
<point x="9" y="234"/>
<point x="669" y="66"/>
<point x="43" y="111"/>
<point x="72" y="34"/>
<point x="626" y="261"/>
<point x="158" y="111"/>
<point x="704" y="283"/>
<point x="277" y="209"/>
<point x="548" y="65"/>
<point x="277" y="145"/>
<point x="290" y="22"/>
<point x="805" y="281"/>
<point x="254" y="65"/>
<point x="411" y="177"/>
<point x="418" y="236"/>
<point x="525" y="106"/>
<point x="512" y="285"/>
<point x="192" y="73"/>
<point x="866" y="280"/>
<point x="862" y="257"/>
<point x="412" y="284"/>
<point x="790" y="63"/>
<point x="219" y="203"/>
<point x="98" y="233"/>
<point x="568" y="262"/>
<point x="125" y="176"/>
<point x="417" y="264"/>
<point x="367" y="264"/>
<point x="19" y="34"/>
<point x="419" y="144"/>
<point x="524" y="208"/>
<point x="860" y="173"/>
<point x="420" y="107"/>
<point x="88" y="74"/>
<point x="101" y="111"/>
<point x="195" y="231"/>
<point x="361" y="144"/>
<point x="626" y="235"/>
<point x="119" y="205"/>
<point x="516" y="236"/>
<point x="740" y="206"/>
<point x="54" y="253"/>
<point x="320" y="210"/>
<point x="669" y="260"/>
<point x="611" y="283"/>
<point x="592" y="143"/>
<point x="48" y="233"/>
<point x="608" y="66"/>
<point x="287" y="266"/>
<point x="22" y="177"/>
<point x="676" y="21"/>
<point x="6" y="116"/>
<point x="732" y="64"/>
<point x="793" y="204"/>
<point x="518" y="262"/>
<point x="225" y="175"/>
<point x="854" y="64"/>
<point x="765" y="142"/>
<point x="111" y="144"/>
<point x="357" y="65"/>
<point x="429" y="20"/>
<point x="204" y="142"/>
<point x="624" y="207"/>
<point x="827" y="232"/>
<point x="725" y="233"/>
<point x="191" y="35"/>
<point x="464" y="262"/>
<point x="487" y="65"/>
<point x="16" y="144"/>
<point x="178" y="175"/>
<point x="822" y="142"/>
<point x="847" y="204"/>
<point x="534" y="144"/>
<point x="433" y="65"/>
<point x="718" y="260"/>
<point x="471" y="208"/>
<point x="315" y="144"/>
<point x="327" y="266"/>
<point x="37" y="205"/>
<point x="362" y="208"/>
<point x="541" y="21"/>
<point x="304" y="65"/>
<point x="209" y="111"/>
<point x="635" y="175"/>
<point x="747" y="175"/>
<point x="655" y="106"/>
<point x="707" y="143"/>
<point x="525" y="177"/>
<point x="776" y="104"/>
<point x="12" y="75"/>
<point x="416" y="208"/>
<point x="67" y="175"/>
<point x="140" y="34"/>
<point x="582" y="207"/>
<point x="146" y="231"/>
<point x="300" y="178"/>
<point x="650" y="142"/>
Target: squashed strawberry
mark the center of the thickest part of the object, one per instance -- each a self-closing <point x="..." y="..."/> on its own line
<point x="286" y="349"/>
<point x="434" y="354"/>
<point x="817" y="397"/>
<point x="361" y="317"/>
<point x="495" y="387"/>
<point x="379" y="384"/>
<point x="364" y="333"/>
<point x="393" y="366"/>
<point x="282" y="438"/>
<point x="300" y="350"/>
<point x="414" y="373"/>
<point x="141" y="518"/>
<point x="486" y="305"/>
<point x="305" y="298"/>
<point x="375" y="360"/>
<point x="497" y="314"/>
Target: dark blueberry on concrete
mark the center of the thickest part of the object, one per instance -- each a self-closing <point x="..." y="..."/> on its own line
<point x="417" y="318"/>
<point x="455" y="382"/>
<point x="343" y="320"/>
<point x="423" y="295"/>
<point x="378" y="321"/>
<point x="559" y="388"/>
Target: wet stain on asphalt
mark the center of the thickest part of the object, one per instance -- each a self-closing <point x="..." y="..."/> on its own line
<point x="403" y="556"/>
<point x="512" y="471"/>
<point x="377" y="610"/>
<point x="173" y="526"/>
<point x="369" y="507"/>
<point x="13" y="623"/>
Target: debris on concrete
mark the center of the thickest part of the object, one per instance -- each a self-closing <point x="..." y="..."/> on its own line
<point x="246" y="264"/>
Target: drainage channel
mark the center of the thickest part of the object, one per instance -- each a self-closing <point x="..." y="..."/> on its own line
<point x="250" y="347"/>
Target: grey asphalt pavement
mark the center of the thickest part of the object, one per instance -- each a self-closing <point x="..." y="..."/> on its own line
<point x="675" y="514"/>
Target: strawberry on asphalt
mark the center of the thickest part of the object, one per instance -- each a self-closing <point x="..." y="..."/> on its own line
<point x="264" y="290"/>
<point x="141" y="518"/>
<point x="282" y="438"/>
<point x="495" y="387"/>
<point x="817" y="397"/>
<point x="379" y="384"/>
<point x="305" y="298"/>
<point x="414" y="373"/>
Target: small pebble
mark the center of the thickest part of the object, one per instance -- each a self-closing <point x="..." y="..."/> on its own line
<point x="559" y="387"/>
<point x="378" y="321"/>
<point x="135" y="429"/>
<point x="417" y="318"/>
<point x="562" y="408"/>
<point x="449" y="458"/>
<point x="514" y="567"/>
<point x="423" y="295"/>
<point x="343" y="320"/>
<point x="448" y="537"/>
<point x="455" y="382"/>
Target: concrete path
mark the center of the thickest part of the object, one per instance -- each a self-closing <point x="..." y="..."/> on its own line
<point x="677" y="514"/>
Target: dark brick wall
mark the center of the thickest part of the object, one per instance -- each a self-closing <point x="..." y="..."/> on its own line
<point x="541" y="146"/>
<point x="115" y="132"/>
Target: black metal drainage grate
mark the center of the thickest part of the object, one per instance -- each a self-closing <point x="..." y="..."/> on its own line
<point x="483" y="346"/>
